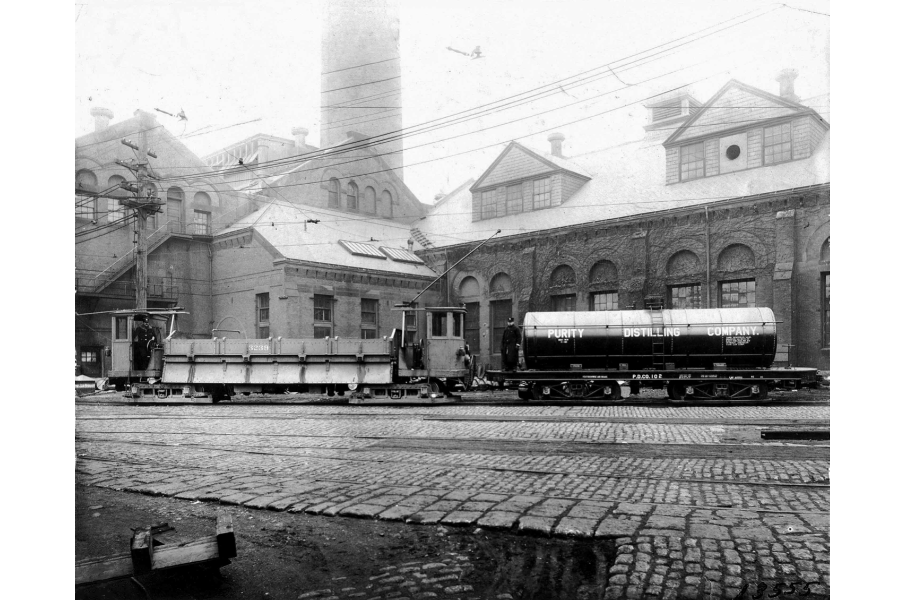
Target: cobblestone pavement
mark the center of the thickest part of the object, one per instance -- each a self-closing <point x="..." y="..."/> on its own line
<point x="692" y="513"/>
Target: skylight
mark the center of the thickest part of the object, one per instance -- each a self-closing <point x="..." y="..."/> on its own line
<point x="401" y="255"/>
<point x="361" y="249"/>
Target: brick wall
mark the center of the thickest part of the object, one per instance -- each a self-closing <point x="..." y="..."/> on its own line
<point x="640" y="249"/>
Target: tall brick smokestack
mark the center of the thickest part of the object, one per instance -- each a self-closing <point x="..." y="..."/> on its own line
<point x="361" y="73"/>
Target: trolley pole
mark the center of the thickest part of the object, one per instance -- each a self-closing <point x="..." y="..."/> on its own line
<point x="145" y="203"/>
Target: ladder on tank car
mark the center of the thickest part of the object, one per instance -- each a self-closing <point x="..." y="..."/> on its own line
<point x="655" y="304"/>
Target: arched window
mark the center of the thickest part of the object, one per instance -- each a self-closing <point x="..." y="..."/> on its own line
<point x="86" y="180"/>
<point x="387" y="200"/>
<point x="501" y="283"/>
<point x="562" y="276"/>
<point x="824" y="251"/>
<point x="175" y="193"/>
<point x="370" y="200"/>
<point x="683" y="262"/>
<point x="736" y="258"/>
<point x="351" y="196"/>
<point x="333" y="193"/>
<point x="202" y="198"/>
<point x="468" y="288"/>
<point x="604" y="271"/>
<point x="174" y="198"/>
<point x="115" y="211"/>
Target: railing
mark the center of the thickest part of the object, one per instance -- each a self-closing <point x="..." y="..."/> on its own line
<point x="169" y="227"/>
<point x="90" y="285"/>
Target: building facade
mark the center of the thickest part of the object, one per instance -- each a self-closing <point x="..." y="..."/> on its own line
<point x="722" y="204"/>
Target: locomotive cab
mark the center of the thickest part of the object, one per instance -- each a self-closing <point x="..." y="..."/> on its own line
<point x="136" y="351"/>
<point x="431" y="342"/>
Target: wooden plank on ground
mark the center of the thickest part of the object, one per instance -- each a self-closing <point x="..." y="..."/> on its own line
<point x="225" y="535"/>
<point x="196" y="551"/>
<point x="103" y="569"/>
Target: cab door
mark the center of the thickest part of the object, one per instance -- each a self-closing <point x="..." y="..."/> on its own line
<point x="121" y="351"/>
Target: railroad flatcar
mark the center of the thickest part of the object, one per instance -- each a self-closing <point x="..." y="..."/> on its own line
<point x="421" y="362"/>
<point x="703" y="354"/>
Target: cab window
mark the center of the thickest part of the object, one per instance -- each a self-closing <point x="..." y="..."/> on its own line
<point x="456" y="324"/>
<point x="439" y="324"/>
<point x="122" y="328"/>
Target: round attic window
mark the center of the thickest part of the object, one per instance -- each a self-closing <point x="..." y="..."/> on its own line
<point x="733" y="151"/>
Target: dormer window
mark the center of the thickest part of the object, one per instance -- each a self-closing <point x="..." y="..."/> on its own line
<point x="541" y="193"/>
<point x="777" y="143"/>
<point x="489" y="207"/>
<point x="692" y="161"/>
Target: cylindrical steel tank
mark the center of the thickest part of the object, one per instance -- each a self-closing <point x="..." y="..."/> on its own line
<point x="647" y="339"/>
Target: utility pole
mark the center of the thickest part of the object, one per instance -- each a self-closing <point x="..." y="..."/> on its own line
<point x="144" y="203"/>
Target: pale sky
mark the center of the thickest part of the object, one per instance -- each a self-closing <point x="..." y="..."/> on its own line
<point x="226" y="62"/>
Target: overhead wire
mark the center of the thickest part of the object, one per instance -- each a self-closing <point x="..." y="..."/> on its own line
<point x="376" y="140"/>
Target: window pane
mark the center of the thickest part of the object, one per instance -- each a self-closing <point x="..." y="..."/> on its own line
<point x="438" y="327"/>
<point x="604" y="301"/>
<point x="777" y="143"/>
<point x="122" y="328"/>
<point x="202" y="223"/>
<point x="368" y="311"/>
<point x="369" y="334"/>
<point x="322" y="331"/>
<point x="456" y="324"/>
<point x="685" y="296"/>
<point x="84" y="207"/>
<point x="692" y="161"/>
<point x="323" y="308"/>
<point x="488" y="205"/>
<point x="737" y="294"/>
<point x="564" y="302"/>
<point x="542" y="194"/>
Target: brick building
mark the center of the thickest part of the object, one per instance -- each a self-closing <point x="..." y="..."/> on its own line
<point x="268" y="236"/>
<point x="196" y="203"/>
<point x="720" y="204"/>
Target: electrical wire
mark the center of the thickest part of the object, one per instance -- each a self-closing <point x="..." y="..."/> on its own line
<point x="375" y="140"/>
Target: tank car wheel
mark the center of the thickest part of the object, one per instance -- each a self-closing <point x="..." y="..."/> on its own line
<point x="526" y="395"/>
<point x="676" y="392"/>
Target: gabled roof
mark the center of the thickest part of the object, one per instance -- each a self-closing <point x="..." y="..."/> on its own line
<point x="463" y="188"/>
<point x="629" y="181"/>
<point x="282" y="226"/>
<point x="174" y="159"/>
<point x="540" y="163"/>
<point x="737" y="105"/>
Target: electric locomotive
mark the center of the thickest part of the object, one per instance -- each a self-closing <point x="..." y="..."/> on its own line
<point x="419" y="363"/>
